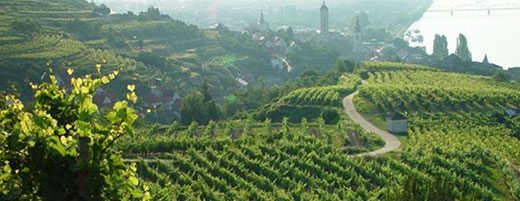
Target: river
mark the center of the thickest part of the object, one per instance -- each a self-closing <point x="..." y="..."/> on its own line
<point x="496" y="34"/>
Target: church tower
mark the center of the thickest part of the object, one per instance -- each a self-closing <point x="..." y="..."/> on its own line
<point x="486" y="60"/>
<point x="358" y="49"/>
<point x="357" y="30"/>
<point x="262" y="20"/>
<point x="263" y="25"/>
<point x="324" y="28"/>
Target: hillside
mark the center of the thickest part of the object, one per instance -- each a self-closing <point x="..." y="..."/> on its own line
<point x="150" y="49"/>
<point x="97" y="105"/>
<point x="460" y="144"/>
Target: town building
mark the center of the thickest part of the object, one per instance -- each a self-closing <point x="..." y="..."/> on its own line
<point x="359" y="49"/>
<point x="262" y="25"/>
<point x="324" y="25"/>
<point x="161" y="99"/>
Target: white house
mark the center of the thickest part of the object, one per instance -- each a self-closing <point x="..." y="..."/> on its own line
<point x="397" y="123"/>
<point x="242" y="82"/>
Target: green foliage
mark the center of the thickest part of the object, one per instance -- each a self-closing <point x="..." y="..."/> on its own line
<point x="278" y="164"/>
<point x="375" y="66"/>
<point x="440" y="47"/>
<point x="450" y="113"/>
<point x="24" y="27"/>
<point x="310" y="102"/>
<point x="152" y="59"/>
<point x="194" y="109"/>
<point x="330" y="116"/>
<point x="84" y="30"/>
<point x="501" y="76"/>
<point x="462" y="50"/>
<point x="318" y="96"/>
<point x="413" y="188"/>
<point x="43" y="47"/>
<point x="313" y="55"/>
<point x="61" y="148"/>
<point x="200" y="107"/>
<point x="345" y="66"/>
<point x="102" y="10"/>
<point x="426" y="91"/>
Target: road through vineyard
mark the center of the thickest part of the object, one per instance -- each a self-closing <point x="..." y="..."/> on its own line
<point x="391" y="141"/>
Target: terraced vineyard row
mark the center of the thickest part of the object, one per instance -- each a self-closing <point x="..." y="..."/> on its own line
<point x="323" y="96"/>
<point x="290" y="165"/>
<point x="326" y="96"/>
<point x="72" y="53"/>
<point x="35" y="44"/>
<point x="175" y="138"/>
<point x="471" y="133"/>
<point x="431" y="91"/>
<point x="43" y="47"/>
<point x="91" y="57"/>
<point x="394" y="66"/>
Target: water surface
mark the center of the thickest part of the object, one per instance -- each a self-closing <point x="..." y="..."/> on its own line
<point x="497" y="34"/>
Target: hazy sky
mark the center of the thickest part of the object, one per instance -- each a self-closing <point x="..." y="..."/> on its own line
<point x="233" y="3"/>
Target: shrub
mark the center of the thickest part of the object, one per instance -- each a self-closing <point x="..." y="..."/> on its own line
<point x="61" y="147"/>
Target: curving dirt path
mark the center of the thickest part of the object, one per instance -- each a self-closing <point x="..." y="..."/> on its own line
<point x="391" y="141"/>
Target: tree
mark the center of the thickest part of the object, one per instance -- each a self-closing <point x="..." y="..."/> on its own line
<point x="330" y="116"/>
<point x="440" y="47"/>
<point x="344" y="66"/>
<point x="205" y="91"/>
<point x="194" y="109"/>
<point x="290" y="32"/>
<point x="501" y="76"/>
<point x="102" y="10"/>
<point x="309" y="74"/>
<point x="84" y="30"/>
<point x="462" y="50"/>
<point x="213" y="110"/>
<point x="61" y="147"/>
<point x="400" y="43"/>
<point x="152" y="13"/>
<point x="117" y="42"/>
<point x="209" y="103"/>
<point x="152" y="60"/>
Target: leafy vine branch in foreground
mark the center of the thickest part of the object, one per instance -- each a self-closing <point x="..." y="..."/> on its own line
<point x="60" y="148"/>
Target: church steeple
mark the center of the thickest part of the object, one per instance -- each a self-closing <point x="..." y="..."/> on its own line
<point x="262" y="20"/>
<point x="485" y="61"/>
<point x="357" y="27"/>
<point x="262" y="24"/>
<point x="324" y="11"/>
<point x="359" y="50"/>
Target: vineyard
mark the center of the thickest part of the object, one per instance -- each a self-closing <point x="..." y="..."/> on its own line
<point x="432" y="91"/>
<point x="278" y="138"/>
<point x="322" y="96"/>
<point x="310" y="102"/>
<point x="47" y="12"/>
<point x="172" y="138"/>
<point x="283" y="163"/>
<point x="450" y="153"/>
<point x="43" y="47"/>
<point x="374" y="66"/>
